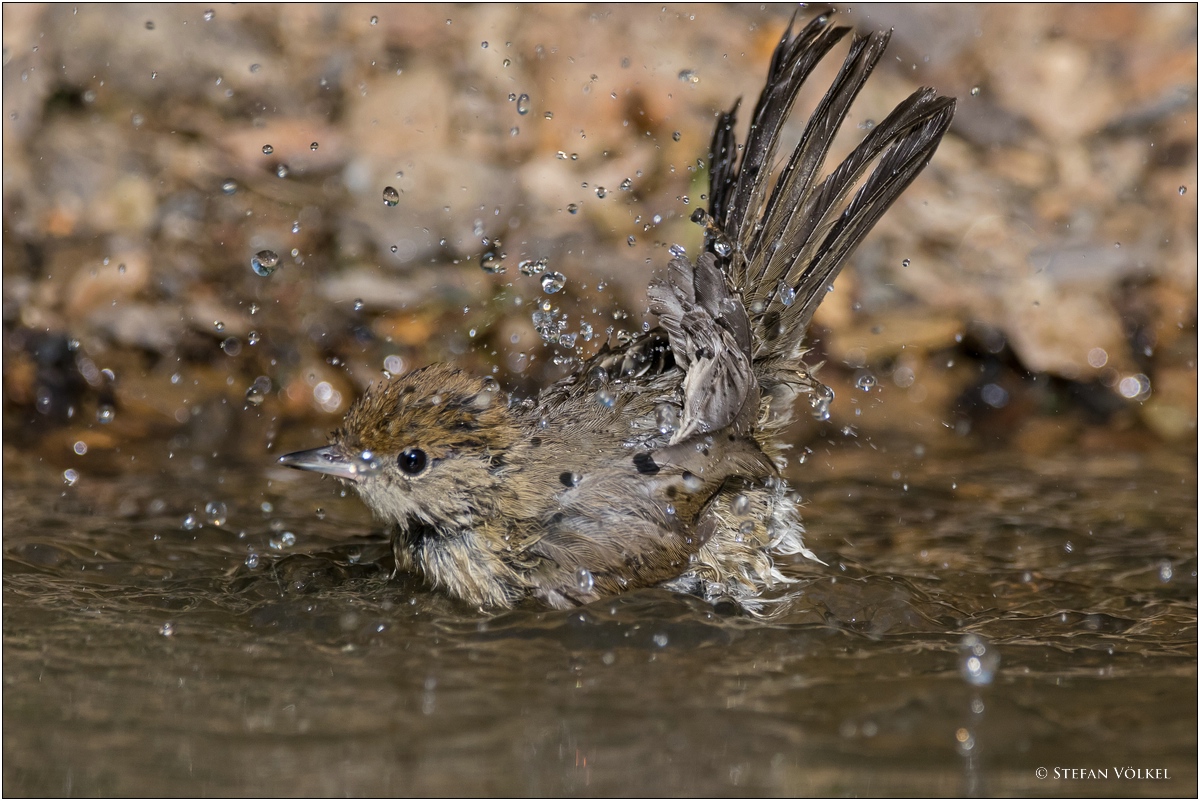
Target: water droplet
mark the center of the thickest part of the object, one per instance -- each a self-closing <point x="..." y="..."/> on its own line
<point x="268" y="150"/>
<point x="1165" y="571"/>
<point x="390" y="196"/>
<point x="979" y="660"/>
<point x="994" y="395"/>
<point x="549" y="115"/>
<point x="865" y="382"/>
<point x="523" y="104"/>
<point x="601" y="192"/>
<point x="359" y="305"/>
<point x="167" y="629"/>
<point x="1134" y="387"/>
<point x="1183" y="190"/>
<point x="215" y="513"/>
<point x="105" y="414"/>
<point x="251" y="560"/>
<point x="255" y="67"/>
<point x="282" y="541"/>
<point x="229" y="186"/>
<point x="605" y="398"/>
<point x="688" y="76"/>
<point x="282" y="171"/>
<point x="975" y="91"/>
<point x="209" y="14"/>
<point x="553" y="282"/>
<point x="820" y="399"/>
<point x="490" y="264"/>
<point x="699" y="216"/>
<point x="367" y="464"/>
<point x="258" y="391"/>
<point x="190" y="523"/>
<point x="786" y="294"/>
<point x="572" y="208"/>
<point x="70" y="477"/>
<point x="393" y="364"/>
<point x="630" y="240"/>
<point x="741" y="505"/>
<point x="532" y="266"/>
<point x="722" y="248"/>
<point x="667" y="418"/>
<point x="677" y="136"/>
<point x="149" y="24"/>
<point x="677" y="252"/>
<point x="80" y="447"/>
<point x="374" y="20"/>
<point x="265" y="262"/>
<point x="661" y="640"/>
<point x="584" y="580"/>
<point x="626" y="185"/>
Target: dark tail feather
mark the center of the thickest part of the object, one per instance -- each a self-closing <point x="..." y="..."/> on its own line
<point x="734" y="194"/>
<point x="796" y="184"/>
<point x="782" y="253"/>
<point x="905" y="157"/>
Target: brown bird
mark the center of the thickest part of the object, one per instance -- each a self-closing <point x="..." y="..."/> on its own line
<point x="657" y="462"/>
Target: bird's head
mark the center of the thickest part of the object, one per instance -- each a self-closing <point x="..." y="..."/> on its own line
<point x="427" y="449"/>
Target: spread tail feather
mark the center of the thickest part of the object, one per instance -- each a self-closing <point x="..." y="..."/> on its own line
<point x="736" y="320"/>
<point x="781" y="254"/>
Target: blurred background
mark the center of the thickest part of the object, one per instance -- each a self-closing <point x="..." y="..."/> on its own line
<point x="222" y="223"/>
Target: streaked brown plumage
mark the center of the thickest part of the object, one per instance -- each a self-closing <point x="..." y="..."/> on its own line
<point x="657" y="462"/>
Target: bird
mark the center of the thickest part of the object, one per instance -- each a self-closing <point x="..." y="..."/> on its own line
<point x="658" y="461"/>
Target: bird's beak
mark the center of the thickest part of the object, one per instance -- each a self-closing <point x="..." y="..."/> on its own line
<point x="326" y="460"/>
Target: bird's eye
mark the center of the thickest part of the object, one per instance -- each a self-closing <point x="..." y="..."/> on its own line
<point x="413" y="461"/>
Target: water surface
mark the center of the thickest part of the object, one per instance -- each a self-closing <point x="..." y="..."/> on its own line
<point x="142" y="657"/>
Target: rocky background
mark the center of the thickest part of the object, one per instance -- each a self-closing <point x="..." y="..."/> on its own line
<point x="1035" y="287"/>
